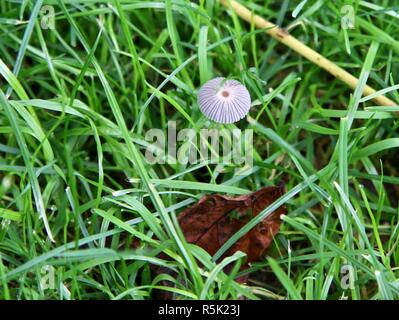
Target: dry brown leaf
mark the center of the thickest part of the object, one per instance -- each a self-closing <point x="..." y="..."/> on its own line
<point x="215" y="218"/>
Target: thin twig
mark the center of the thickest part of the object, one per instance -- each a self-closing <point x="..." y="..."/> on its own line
<point x="284" y="37"/>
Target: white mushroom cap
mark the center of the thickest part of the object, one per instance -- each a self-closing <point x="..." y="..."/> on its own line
<point x="224" y="101"/>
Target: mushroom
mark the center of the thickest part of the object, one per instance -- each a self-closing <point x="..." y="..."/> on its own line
<point x="223" y="100"/>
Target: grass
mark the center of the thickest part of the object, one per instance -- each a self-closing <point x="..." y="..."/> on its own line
<point x="79" y="202"/>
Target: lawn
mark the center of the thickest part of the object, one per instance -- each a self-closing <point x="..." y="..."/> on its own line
<point x="87" y="213"/>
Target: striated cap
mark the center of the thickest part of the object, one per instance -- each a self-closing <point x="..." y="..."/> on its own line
<point x="223" y="100"/>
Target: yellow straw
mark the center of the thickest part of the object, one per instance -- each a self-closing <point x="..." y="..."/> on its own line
<point x="310" y="54"/>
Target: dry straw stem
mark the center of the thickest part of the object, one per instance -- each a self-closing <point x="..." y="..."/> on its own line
<point x="310" y="54"/>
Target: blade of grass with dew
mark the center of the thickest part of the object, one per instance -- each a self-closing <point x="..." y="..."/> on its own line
<point x="285" y="281"/>
<point x="29" y="116"/>
<point x="12" y="118"/>
<point x="214" y="273"/>
<point x="202" y="55"/>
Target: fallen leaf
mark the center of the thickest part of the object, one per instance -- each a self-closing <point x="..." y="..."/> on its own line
<point x="215" y="218"/>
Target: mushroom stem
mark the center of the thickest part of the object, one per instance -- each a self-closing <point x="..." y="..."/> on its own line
<point x="284" y="37"/>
